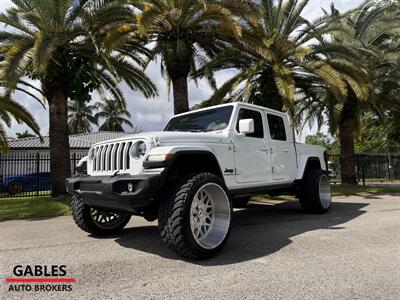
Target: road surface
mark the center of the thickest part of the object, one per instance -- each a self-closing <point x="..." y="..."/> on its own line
<point x="275" y="252"/>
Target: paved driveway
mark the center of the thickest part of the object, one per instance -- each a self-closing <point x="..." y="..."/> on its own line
<point x="275" y="252"/>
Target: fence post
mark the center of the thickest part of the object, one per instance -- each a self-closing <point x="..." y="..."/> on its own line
<point x="37" y="173"/>
<point x="363" y="173"/>
<point x="74" y="164"/>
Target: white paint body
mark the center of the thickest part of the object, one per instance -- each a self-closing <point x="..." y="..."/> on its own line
<point x="255" y="161"/>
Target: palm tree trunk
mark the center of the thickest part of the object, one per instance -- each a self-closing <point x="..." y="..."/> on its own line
<point x="181" y="101"/>
<point x="346" y="136"/>
<point x="60" y="166"/>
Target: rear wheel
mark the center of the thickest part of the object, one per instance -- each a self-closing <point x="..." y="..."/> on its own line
<point x="95" y="221"/>
<point x="195" y="219"/>
<point x="315" y="195"/>
<point x="15" y="187"/>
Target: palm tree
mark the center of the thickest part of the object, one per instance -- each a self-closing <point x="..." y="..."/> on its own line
<point x="25" y="134"/>
<point x="9" y="109"/>
<point x="185" y="33"/>
<point x="367" y="49"/>
<point x="81" y="117"/>
<point x="274" y="59"/>
<point x="114" y="114"/>
<point x="60" y="44"/>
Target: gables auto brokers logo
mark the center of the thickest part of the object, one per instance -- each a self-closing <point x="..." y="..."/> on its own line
<point x="40" y="278"/>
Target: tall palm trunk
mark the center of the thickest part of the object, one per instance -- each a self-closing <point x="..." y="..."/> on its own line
<point x="268" y="95"/>
<point x="60" y="167"/>
<point x="346" y="136"/>
<point x="178" y="71"/>
<point x="181" y="101"/>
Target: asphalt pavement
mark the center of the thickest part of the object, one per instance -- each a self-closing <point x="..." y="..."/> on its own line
<point x="275" y="252"/>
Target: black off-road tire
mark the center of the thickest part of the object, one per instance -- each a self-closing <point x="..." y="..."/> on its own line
<point x="240" y="202"/>
<point x="313" y="195"/>
<point x="81" y="214"/>
<point x="174" y="216"/>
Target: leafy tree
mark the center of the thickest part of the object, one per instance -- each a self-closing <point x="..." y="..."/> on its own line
<point x="366" y="51"/>
<point x="25" y="134"/>
<point x="81" y="117"/>
<point x="321" y="139"/>
<point x="274" y="59"/>
<point x="379" y="135"/>
<point x="114" y="114"/>
<point x="186" y="33"/>
<point x="61" y="44"/>
<point x="9" y="109"/>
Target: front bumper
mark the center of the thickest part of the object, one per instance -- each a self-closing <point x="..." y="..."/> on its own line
<point x="111" y="192"/>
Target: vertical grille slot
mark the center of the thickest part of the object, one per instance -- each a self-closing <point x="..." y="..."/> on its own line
<point x="127" y="156"/>
<point x="121" y="157"/>
<point x="114" y="157"/>
<point x="109" y="157"/>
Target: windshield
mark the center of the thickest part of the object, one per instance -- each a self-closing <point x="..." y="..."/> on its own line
<point x="202" y="121"/>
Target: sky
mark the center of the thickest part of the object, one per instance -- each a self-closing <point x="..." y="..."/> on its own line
<point x="153" y="114"/>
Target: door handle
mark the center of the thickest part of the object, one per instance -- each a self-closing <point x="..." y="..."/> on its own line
<point x="285" y="150"/>
<point x="264" y="148"/>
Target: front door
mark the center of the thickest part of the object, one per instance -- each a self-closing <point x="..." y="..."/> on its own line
<point x="251" y="158"/>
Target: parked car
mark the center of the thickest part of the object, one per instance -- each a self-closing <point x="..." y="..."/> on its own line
<point x="332" y="169"/>
<point x="17" y="184"/>
<point x="190" y="175"/>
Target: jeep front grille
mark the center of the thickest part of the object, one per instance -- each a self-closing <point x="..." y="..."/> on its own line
<point x="111" y="157"/>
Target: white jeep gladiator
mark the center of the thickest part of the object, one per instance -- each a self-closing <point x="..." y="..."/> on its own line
<point x="190" y="175"/>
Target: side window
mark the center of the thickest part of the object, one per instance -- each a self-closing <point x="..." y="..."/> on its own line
<point x="258" y="124"/>
<point x="276" y="127"/>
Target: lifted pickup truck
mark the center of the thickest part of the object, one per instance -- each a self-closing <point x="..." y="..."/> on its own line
<point x="190" y="175"/>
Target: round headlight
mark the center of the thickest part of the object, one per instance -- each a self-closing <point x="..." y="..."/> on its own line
<point x="140" y="149"/>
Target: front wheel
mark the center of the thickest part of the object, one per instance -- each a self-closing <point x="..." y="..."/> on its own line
<point x="95" y="221"/>
<point x="195" y="219"/>
<point x="315" y="192"/>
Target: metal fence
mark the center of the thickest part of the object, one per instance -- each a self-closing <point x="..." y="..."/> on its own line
<point x="369" y="167"/>
<point x="25" y="175"/>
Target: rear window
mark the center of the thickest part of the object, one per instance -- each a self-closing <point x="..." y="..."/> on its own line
<point x="276" y="127"/>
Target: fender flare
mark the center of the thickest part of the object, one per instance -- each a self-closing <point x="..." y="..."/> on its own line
<point x="305" y="163"/>
<point x="179" y="152"/>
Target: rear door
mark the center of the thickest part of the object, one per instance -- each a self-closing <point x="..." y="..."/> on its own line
<point x="251" y="159"/>
<point x="281" y="151"/>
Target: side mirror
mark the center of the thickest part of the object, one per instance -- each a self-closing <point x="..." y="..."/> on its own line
<point x="246" y="126"/>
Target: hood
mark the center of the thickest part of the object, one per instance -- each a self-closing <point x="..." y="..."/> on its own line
<point x="167" y="137"/>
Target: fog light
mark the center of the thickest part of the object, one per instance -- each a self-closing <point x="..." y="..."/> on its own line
<point x="130" y="187"/>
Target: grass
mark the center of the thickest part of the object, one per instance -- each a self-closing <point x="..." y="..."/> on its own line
<point x="359" y="190"/>
<point x="32" y="207"/>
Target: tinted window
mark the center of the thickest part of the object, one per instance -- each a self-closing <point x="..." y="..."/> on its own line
<point x="276" y="127"/>
<point x="202" y="121"/>
<point x="258" y="125"/>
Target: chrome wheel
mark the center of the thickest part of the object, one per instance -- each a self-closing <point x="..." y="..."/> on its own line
<point x="106" y="220"/>
<point x="325" y="194"/>
<point x="210" y="216"/>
